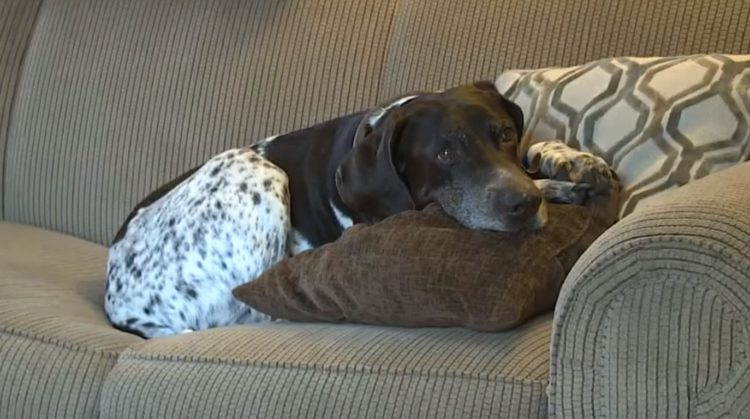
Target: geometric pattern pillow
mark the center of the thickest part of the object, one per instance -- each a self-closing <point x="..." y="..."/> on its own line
<point x="660" y="122"/>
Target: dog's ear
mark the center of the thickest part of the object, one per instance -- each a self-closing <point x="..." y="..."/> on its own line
<point x="367" y="179"/>
<point x="514" y="111"/>
<point x="516" y="114"/>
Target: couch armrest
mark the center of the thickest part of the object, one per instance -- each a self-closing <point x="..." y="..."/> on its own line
<point x="654" y="319"/>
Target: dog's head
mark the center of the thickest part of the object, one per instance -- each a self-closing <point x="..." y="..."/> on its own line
<point x="457" y="148"/>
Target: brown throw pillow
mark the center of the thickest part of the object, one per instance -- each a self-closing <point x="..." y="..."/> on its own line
<point x="420" y="268"/>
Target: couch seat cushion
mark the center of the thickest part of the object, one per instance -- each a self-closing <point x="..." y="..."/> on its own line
<point x="56" y="346"/>
<point x="289" y="370"/>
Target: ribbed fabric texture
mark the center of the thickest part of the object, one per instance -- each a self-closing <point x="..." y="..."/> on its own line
<point x="654" y="320"/>
<point x="56" y="346"/>
<point x="119" y="97"/>
<point x="289" y="370"/>
<point x="17" y="18"/>
<point x="441" y="43"/>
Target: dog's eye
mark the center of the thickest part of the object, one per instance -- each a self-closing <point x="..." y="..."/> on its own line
<point x="446" y="155"/>
<point x="503" y="134"/>
<point x="507" y="134"/>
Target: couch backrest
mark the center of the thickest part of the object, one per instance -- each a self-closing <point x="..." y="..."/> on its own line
<point x="439" y="43"/>
<point x="118" y="96"/>
<point x="17" y="19"/>
<point x="114" y="97"/>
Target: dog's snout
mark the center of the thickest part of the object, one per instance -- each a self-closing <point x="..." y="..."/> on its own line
<point x="517" y="203"/>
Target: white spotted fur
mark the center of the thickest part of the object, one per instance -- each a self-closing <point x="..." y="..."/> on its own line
<point x="175" y="268"/>
<point x="553" y="157"/>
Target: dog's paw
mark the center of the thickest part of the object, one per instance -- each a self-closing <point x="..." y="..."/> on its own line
<point x="563" y="192"/>
<point x="557" y="161"/>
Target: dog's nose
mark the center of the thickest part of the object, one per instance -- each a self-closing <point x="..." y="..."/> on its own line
<point x="517" y="203"/>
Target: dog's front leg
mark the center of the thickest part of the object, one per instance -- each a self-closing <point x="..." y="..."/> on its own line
<point x="562" y="191"/>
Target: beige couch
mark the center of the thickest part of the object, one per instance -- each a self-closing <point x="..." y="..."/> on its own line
<point x="102" y="100"/>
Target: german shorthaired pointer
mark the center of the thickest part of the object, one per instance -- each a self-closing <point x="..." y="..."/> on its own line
<point x="173" y="264"/>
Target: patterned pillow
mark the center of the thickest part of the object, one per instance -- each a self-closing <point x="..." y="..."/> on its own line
<point x="660" y="122"/>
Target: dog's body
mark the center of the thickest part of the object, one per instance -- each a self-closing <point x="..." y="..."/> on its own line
<point x="175" y="261"/>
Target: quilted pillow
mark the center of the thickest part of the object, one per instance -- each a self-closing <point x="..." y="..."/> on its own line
<point x="660" y="122"/>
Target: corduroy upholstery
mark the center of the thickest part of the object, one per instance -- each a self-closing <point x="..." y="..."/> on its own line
<point x="440" y="43"/>
<point x="17" y="19"/>
<point x="56" y="346"/>
<point x="140" y="91"/>
<point x="119" y="97"/>
<point x="297" y="371"/>
<point x="656" y="321"/>
<point x="102" y="100"/>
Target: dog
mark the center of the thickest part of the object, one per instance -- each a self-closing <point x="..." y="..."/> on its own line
<point x="175" y="260"/>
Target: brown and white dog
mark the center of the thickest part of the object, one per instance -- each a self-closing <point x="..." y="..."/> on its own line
<point x="176" y="259"/>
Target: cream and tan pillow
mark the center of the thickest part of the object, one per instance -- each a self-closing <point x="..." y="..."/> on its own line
<point x="660" y="122"/>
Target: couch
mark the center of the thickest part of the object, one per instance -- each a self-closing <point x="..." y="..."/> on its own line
<point x="103" y="100"/>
